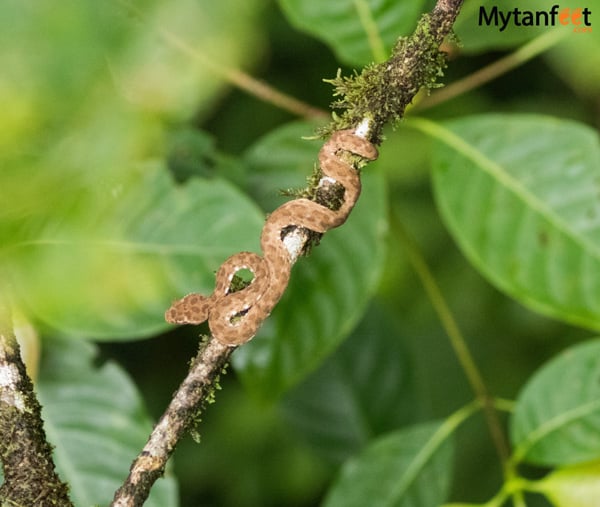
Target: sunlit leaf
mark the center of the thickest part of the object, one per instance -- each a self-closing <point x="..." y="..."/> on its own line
<point x="557" y="416"/>
<point x="575" y="486"/>
<point x="96" y="420"/>
<point x="329" y="290"/>
<point x="520" y="195"/>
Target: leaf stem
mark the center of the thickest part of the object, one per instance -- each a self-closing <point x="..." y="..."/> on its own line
<point x="457" y="340"/>
<point x="246" y="82"/>
<point x="236" y="77"/>
<point x="370" y="26"/>
<point x="492" y="71"/>
<point x="448" y="427"/>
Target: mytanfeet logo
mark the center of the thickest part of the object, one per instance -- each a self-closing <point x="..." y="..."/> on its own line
<point x="579" y="18"/>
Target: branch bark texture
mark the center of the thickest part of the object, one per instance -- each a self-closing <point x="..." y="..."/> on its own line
<point x="369" y="101"/>
<point x="181" y="415"/>
<point x="381" y="93"/>
<point x="26" y="455"/>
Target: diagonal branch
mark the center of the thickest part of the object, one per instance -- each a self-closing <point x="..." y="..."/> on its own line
<point x="369" y="100"/>
<point x="180" y="416"/>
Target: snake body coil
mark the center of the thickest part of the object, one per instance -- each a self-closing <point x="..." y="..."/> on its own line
<point x="235" y="317"/>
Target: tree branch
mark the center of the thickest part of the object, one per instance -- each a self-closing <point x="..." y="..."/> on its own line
<point x="380" y="94"/>
<point x="181" y="415"/>
<point x="377" y="96"/>
<point x="29" y="475"/>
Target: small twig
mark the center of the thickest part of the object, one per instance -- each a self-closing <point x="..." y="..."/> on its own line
<point x="246" y="82"/>
<point x="493" y="70"/>
<point x="235" y="77"/>
<point x="457" y="341"/>
<point x="26" y="455"/>
<point x="415" y="62"/>
<point x="365" y="15"/>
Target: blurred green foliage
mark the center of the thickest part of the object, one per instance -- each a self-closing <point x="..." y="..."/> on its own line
<point x="130" y="168"/>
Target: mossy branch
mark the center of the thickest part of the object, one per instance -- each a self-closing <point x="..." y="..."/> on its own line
<point x="381" y="92"/>
<point x="26" y="455"/>
<point x="370" y="100"/>
<point x="180" y="418"/>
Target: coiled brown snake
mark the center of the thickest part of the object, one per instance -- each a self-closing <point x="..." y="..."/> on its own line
<point x="235" y="317"/>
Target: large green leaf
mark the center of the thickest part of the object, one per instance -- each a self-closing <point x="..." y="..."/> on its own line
<point x="359" y="31"/>
<point x="113" y="274"/>
<point x="557" y="416"/>
<point x="96" y="420"/>
<point x="407" y="468"/>
<point x="329" y="290"/>
<point x="520" y="195"/>
<point x="86" y="91"/>
<point x="73" y="59"/>
<point x="87" y="85"/>
<point x="363" y="390"/>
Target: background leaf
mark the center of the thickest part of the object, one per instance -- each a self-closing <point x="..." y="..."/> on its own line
<point x="89" y="88"/>
<point x="151" y="242"/>
<point x="519" y="195"/>
<point x="577" y="59"/>
<point x="557" y="416"/>
<point x="359" y="31"/>
<point x="95" y="419"/>
<point x="363" y="390"/>
<point x="92" y="96"/>
<point x="86" y="85"/>
<point x="340" y="276"/>
<point x="475" y="36"/>
<point x="405" y="468"/>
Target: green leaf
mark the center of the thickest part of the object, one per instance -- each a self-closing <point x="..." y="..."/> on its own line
<point x="407" y="468"/>
<point x="557" y="415"/>
<point x="113" y="274"/>
<point x="576" y="486"/>
<point x="87" y="91"/>
<point x="62" y="60"/>
<point x="87" y="86"/>
<point x="520" y="196"/>
<point x="363" y="390"/>
<point x="577" y="60"/>
<point x="329" y="290"/>
<point x="358" y="31"/>
<point x="476" y="36"/>
<point x="96" y="420"/>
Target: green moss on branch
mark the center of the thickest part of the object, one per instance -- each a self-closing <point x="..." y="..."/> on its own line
<point x="381" y="92"/>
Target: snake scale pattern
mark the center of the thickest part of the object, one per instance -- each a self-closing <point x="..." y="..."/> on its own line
<point x="234" y="317"/>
